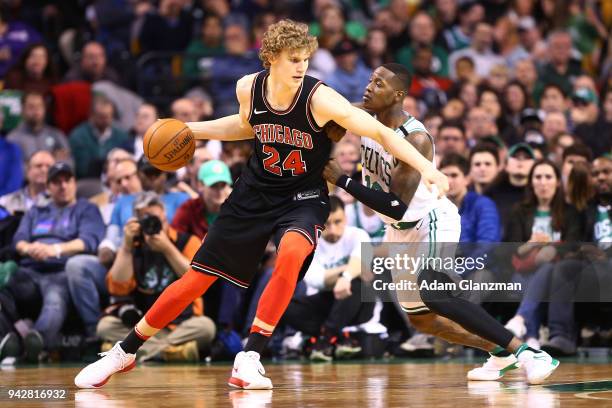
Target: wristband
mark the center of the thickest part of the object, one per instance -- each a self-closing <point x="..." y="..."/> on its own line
<point x="58" y="251"/>
<point x="343" y="181"/>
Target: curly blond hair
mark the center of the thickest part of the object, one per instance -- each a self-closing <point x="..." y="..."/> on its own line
<point x="285" y="35"/>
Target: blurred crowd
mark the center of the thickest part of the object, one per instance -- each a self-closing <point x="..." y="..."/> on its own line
<point x="516" y="93"/>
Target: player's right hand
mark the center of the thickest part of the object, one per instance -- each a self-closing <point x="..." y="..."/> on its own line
<point x="432" y="177"/>
<point x="332" y="171"/>
<point x="334" y="131"/>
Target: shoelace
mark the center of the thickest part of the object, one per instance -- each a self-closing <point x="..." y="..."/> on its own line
<point x="121" y="358"/>
<point x="258" y="364"/>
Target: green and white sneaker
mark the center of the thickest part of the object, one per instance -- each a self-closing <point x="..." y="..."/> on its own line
<point x="537" y="364"/>
<point x="493" y="369"/>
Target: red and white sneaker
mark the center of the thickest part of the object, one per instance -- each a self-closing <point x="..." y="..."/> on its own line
<point x="248" y="373"/>
<point x="113" y="361"/>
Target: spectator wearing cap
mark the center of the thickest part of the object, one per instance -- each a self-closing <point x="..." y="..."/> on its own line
<point x="484" y="166"/>
<point x="92" y="66"/>
<point x="91" y="141"/>
<point x="479" y="51"/>
<point x="531" y="119"/>
<point x="194" y="216"/>
<point x="33" y="134"/>
<point x="351" y="75"/>
<point x="536" y="140"/>
<point x="423" y="34"/>
<point x="509" y="188"/>
<point x="589" y="127"/>
<point x="151" y="257"/>
<point x="479" y="218"/>
<point x="560" y="69"/>
<point x="47" y="237"/>
<point x="34" y="193"/>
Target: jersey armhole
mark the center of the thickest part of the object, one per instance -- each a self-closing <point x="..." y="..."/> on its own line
<point x="252" y="103"/>
<point x="311" y="121"/>
<point x="431" y="140"/>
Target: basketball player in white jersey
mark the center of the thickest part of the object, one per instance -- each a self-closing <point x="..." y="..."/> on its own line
<point x="416" y="215"/>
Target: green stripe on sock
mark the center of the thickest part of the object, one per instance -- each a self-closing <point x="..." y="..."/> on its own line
<point x="499" y="351"/>
<point x="521" y="348"/>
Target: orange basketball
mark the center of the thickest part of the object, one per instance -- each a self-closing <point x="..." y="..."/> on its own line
<point x="169" y="144"/>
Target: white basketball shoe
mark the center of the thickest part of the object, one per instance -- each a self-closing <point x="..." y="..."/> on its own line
<point x="248" y="372"/>
<point x="95" y="375"/>
<point x="493" y="369"/>
<point x="537" y="364"/>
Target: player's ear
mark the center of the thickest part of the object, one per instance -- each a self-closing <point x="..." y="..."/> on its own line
<point x="400" y="95"/>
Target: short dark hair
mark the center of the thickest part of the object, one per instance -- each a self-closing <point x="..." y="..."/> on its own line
<point x="335" y="203"/>
<point x="578" y="149"/>
<point x="555" y="86"/>
<point x="401" y="72"/>
<point x="454" y="159"/>
<point x="452" y="124"/>
<point x="484" y="148"/>
<point x="27" y="94"/>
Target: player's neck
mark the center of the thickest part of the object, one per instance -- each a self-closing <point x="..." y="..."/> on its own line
<point x="392" y="117"/>
<point x="279" y="94"/>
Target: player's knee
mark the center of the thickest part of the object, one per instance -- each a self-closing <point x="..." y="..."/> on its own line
<point x="295" y="245"/>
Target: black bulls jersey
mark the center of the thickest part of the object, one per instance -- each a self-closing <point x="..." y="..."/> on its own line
<point x="290" y="150"/>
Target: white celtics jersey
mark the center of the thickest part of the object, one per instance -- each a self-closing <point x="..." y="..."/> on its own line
<point x="377" y="165"/>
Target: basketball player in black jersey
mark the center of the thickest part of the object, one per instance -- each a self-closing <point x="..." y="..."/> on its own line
<point x="281" y="195"/>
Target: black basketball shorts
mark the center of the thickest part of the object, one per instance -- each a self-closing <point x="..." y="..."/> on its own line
<point x="249" y="218"/>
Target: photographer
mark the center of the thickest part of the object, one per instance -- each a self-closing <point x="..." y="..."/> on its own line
<point x="152" y="256"/>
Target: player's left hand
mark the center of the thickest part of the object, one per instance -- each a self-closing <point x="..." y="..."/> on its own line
<point x="433" y="177"/>
<point x="334" y="131"/>
<point x="342" y="288"/>
<point x="332" y="171"/>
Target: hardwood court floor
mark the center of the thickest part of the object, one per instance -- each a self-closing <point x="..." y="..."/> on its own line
<point x="397" y="384"/>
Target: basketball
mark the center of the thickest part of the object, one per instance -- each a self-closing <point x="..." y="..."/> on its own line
<point x="169" y="144"/>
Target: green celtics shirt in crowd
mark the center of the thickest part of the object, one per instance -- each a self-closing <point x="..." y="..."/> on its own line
<point x="542" y="223"/>
<point x="603" y="229"/>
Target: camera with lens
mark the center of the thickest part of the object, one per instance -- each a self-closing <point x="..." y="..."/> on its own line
<point x="150" y="225"/>
<point x="125" y="309"/>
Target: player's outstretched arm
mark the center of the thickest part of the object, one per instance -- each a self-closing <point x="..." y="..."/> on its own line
<point x="226" y="128"/>
<point x="328" y="105"/>
<point x="385" y="203"/>
<point x="233" y="127"/>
